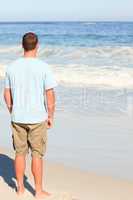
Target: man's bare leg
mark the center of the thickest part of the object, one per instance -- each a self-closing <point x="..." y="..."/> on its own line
<point x="20" y="169"/>
<point x="37" y="170"/>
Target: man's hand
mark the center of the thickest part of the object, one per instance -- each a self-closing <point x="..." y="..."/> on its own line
<point x="49" y="122"/>
<point x="9" y="108"/>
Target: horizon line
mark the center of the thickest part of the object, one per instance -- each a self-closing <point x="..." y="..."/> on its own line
<point x="51" y="21"/>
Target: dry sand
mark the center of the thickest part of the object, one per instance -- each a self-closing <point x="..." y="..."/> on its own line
<point x="65" y="183"/>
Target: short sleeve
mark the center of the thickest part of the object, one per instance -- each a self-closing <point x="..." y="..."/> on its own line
<point x="50" y="81"/>
<point x="7" y="80"/>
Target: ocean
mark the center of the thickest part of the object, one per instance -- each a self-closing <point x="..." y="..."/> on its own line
<point x="93" y="64"/>
<point x="99" y="52"/>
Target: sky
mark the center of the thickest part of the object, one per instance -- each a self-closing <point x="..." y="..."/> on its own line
<point x="66" y="10"/>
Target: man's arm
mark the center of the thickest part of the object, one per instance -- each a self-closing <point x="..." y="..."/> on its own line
<point x="50" y="98"/>
<point x="49" y="85"/>
<point x="8" y="98"/>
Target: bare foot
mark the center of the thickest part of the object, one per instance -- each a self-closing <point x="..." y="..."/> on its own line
<point x="41" y="195"/>
<point x="20" y="191"/>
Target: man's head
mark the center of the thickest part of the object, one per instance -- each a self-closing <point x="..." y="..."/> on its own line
<point x="30" y="42"/>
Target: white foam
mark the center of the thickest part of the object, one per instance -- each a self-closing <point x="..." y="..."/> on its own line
<point x="74" y="74"/>
<point x="85" y="55"/>
<point x="75" y="52"/>
<point x="2" y="71"/>
<point x="89" y="23"/>
<point x="10" y="49"/>
<point x="113" y="77"/>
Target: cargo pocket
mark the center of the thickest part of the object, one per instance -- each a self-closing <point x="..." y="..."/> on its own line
<point x="44" y="142"/>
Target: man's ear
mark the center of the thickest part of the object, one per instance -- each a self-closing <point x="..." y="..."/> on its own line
<point x="37" y="46"/>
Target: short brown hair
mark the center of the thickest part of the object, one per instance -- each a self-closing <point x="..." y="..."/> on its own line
<point x="29" y="41"/>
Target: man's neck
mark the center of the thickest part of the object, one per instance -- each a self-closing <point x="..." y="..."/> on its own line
<point x="30" y="54"/>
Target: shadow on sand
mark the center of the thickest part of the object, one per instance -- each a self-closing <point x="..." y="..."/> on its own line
<point x="8" y="174"/>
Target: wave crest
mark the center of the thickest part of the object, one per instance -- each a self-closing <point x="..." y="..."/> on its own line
<point x="113" y="77"/>
<point x="114" y="74"/>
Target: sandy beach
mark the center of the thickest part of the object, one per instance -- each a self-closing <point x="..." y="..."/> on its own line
<point x="65" y="183"/>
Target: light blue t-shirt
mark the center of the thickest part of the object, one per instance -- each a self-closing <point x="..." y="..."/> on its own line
<point x="28" y="79"/>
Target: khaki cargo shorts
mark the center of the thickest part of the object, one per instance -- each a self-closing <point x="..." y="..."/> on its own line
<point x="29" y="136"/>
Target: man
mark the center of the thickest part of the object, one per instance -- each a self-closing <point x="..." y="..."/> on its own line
<point x="30" y="99"/>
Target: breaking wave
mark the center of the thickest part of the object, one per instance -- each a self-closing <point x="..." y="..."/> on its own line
<point x="74" y="52"/>
<point x="113" y="77"/>
<point x="83" y="66"/>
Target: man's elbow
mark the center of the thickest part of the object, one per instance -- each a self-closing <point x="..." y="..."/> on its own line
<point x="50" y="95"/>
<point x="7" y="96"/>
